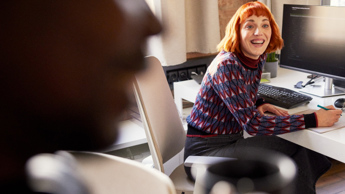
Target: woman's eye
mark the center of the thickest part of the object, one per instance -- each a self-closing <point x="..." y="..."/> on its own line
<point x="266" y="25"/>
<point x="249" y="27"/>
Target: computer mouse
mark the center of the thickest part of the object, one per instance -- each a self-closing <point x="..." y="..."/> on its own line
<point x="339" y="103"/>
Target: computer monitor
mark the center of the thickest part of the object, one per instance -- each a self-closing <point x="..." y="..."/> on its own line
<point x="314" y="42"/>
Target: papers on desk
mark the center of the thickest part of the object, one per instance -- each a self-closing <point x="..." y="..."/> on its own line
<point x="337" y="125"/>
<point x="265" y="77"/>
<point x="264" y="81"/>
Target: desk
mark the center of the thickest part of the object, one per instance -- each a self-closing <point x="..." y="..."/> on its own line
<point x="331" y="144"/>
<point x="130" y="133"/>
<point x="185" y="90"/>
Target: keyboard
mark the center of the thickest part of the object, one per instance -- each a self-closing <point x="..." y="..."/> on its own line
<point x="282" y="97"/>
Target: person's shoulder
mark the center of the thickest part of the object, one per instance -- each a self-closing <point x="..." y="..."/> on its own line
<point x="225" y="54"/>
<point x="226" y="58"/>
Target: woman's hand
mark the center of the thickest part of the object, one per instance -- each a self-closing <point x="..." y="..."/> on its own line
<point x="327" y="118"/>
<point x="272" y="109"/>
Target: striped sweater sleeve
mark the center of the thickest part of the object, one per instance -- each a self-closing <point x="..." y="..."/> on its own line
<point x="232" y="87"/>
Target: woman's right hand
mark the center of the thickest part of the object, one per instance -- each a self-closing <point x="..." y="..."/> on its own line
<point x="327" y="118"/>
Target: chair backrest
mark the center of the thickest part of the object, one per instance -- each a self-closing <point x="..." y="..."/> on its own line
<point x="163" y="126"/>
<point x="106" y="174"/>
<point x="94" y="173"/>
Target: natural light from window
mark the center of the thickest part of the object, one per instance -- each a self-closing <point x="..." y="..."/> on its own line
<point x="337" y="2"/>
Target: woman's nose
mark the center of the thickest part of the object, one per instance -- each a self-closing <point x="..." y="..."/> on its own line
<point x="257" y="31"/>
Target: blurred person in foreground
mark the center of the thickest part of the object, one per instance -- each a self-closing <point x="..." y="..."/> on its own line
<point x="227" y="103"/>
<point x="66" y="68"/>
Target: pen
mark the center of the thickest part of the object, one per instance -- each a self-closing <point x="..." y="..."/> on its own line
<point x="324" y="108"/>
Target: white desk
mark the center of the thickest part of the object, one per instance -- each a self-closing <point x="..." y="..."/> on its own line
<point x="130" y="133"/>
<point x="331" y="144"/>
<point x="185" y="90"/>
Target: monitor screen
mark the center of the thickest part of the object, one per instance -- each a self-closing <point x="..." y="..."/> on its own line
<point x="314" y="40"/>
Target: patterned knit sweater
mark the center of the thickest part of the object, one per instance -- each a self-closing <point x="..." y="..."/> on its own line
<point x="227" y="102"/>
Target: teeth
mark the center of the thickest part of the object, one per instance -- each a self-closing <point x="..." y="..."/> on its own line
<point x="257" y="41"/>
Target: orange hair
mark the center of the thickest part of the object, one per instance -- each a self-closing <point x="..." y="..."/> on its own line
<point x="231" y="40"/>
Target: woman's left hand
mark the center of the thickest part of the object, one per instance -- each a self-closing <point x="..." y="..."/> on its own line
<point x="272" y="109"/>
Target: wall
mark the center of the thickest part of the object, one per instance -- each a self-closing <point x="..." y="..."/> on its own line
<point x="227" y="9"/>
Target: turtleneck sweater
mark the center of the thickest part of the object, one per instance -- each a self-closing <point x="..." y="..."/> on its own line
<point x="248" y="62"/>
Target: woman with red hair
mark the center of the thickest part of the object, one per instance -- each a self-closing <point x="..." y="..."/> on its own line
<point x="227" y="103"/>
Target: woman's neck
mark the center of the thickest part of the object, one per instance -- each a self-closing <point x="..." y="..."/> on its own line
<point x="248" y="62"/>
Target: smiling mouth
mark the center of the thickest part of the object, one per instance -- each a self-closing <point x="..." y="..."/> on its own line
<point x="257" y="41"/>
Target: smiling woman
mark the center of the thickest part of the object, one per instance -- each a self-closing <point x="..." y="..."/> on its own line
<point x="255" y="36"/>
<point x="231" y="40"/>
<point x="227" y="103"/>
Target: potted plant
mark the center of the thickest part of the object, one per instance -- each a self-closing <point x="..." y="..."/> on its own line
<point x="271" y="64"/>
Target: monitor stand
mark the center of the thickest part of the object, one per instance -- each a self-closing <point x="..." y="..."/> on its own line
<point x="325" y="89"/>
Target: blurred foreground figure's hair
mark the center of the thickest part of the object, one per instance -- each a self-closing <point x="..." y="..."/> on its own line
<point x="66" y="67"/>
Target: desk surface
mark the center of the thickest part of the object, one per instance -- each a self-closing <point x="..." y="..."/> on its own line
<point x="330" y="143"/>
<point x="130" y="133"/>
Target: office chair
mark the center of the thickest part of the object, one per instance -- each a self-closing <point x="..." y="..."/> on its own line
<point x="106" y="174"/>
<point x="163" y="126"/>
<point x="94" y="173"/>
